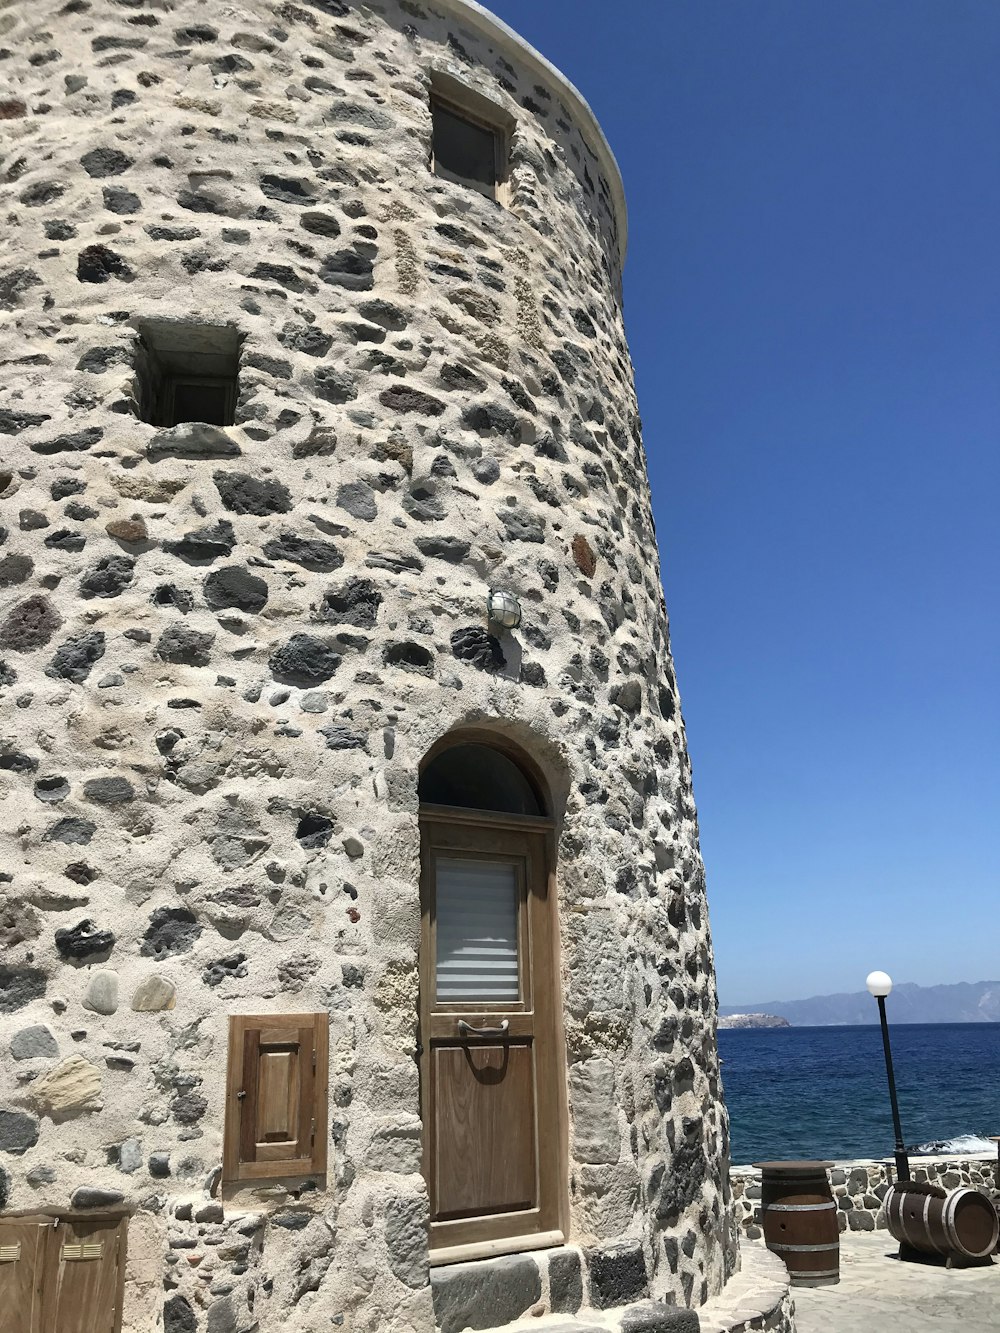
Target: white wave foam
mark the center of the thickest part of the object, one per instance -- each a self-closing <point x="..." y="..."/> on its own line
<point x="963" y="1145"/>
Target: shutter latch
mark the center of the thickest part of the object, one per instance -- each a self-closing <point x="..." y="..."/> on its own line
<point x="240" y="1095"/>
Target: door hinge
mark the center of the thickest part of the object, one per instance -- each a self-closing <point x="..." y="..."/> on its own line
<point x="314" y="1059"/>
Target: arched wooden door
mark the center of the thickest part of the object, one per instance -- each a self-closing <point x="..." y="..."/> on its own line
<point x="491" y="1055"/>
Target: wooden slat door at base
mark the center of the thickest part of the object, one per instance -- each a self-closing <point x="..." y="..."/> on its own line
<point x="61" y="1275"/>
<point x="82" y="1285"/>
<point x="22" y="1250"/>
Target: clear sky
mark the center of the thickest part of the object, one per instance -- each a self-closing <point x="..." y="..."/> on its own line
<point x="813" y="307"/>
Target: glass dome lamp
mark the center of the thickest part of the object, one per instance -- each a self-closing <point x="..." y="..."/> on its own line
<point x="503" y="609"/>
<point x="879" y="983"/>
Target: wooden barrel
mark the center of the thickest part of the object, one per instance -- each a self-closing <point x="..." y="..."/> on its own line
<point x="959" y="1222"/>
<point x="800" y="1220"/>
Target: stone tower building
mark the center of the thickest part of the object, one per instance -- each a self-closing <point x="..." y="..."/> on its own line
<point x="356" y="969"/>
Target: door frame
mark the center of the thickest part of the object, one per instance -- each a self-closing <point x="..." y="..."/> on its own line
<point x="456" y="828"/>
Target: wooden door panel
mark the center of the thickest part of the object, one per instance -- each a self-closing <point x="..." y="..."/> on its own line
<point x="81" y="1277"/>
<point x="20" y="1274"/>
<point x="489" y="1102"/>
<point x="484" y="1154"/>
<point x="278" y="1078"/>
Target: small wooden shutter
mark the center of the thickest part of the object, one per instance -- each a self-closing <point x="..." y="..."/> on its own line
<point x="276" y="1097"/>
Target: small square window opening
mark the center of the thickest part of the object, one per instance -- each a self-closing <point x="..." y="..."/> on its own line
<point x="467" y="148"/>
<point x="187" y="372"/>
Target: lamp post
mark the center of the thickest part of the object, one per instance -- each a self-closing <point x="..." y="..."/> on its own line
<point x="880" y="984"/>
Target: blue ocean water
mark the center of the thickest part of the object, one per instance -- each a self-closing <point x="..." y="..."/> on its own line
<point x="822" y="1092"/>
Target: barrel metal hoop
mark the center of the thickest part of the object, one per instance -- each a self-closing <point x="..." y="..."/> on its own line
<point x="803" y="1249"/>
<point x="799" y="1207"/>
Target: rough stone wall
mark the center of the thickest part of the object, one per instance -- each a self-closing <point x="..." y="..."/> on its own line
<point x="223" y="653"/>
<point x="860" y="1187"/>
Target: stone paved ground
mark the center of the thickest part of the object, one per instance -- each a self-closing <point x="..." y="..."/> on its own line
<point x="879" y="1294"/>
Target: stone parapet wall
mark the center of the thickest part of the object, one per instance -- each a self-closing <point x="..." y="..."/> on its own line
<point x="859" y="1188"/>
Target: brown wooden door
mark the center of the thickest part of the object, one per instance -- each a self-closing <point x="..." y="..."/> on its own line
<point x="22" y="1253"/>
<point x="84" y="1273"/>
<point x="490" y="1048"/>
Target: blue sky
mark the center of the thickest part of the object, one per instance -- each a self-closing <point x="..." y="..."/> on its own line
<point x="813" y="306"/>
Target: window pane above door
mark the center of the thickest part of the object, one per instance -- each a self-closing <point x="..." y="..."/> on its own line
<point x="477" y="958"/>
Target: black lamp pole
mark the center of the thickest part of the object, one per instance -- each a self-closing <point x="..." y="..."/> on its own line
<point x="902" y="1161"/>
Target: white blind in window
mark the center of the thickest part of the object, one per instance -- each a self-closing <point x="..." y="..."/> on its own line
<point x="476" y="930"/>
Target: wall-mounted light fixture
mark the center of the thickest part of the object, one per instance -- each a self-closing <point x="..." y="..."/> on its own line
<point x="503" y="609"/>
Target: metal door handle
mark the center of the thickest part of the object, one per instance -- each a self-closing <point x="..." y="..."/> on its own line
<point x="467" y="1030"/>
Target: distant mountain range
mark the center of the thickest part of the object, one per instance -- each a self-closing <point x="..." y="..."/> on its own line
<point x="965" y="1002"/>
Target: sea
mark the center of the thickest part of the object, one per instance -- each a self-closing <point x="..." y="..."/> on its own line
<point x="802" y="1092"/>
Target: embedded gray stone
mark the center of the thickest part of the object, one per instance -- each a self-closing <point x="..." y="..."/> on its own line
<point x="484" y="1295"/>
<point x="34" y="1043"/>
<point x="234" y="586"/>
<point x="358" y="498"/>
<point x="305" y="660"/>
<point x="192" y="439"/>
<point x="333" y="385"/>
<point x="565" y="1281"/>
<point x="15" y="569"/>
<point x="105" y="162"/>
<point x="89" y="1196"/>
<point x="596" y="1137"/>
<point x="171" y="930"/>
<point x="102" y="993"/>
<point x="30" y="624"/>
<point x="204" y="545"/>
<point x="130" y="1156"/>
<point x="109" y="577"/>
<point x="452" y="549"/>
<point x="178" y="1315"/>
<point x="476" y="645"/>
<point x="71" y="830"/>
<point x="653" y="1317"/>
<point x="109" y="791"/>
<point x="18" y="1132"/>
<point x="159" y="1165"/>
<point x="406" y="1240"/>
<point x="75" y="656"/>
<point x="309" y="552"/>
<point x="244" y="494"/>
<point x="400" y="398"/>
<point x="19" y="986"/>
<point x="186" y="647"/>
<point x="84" y="940"/>
<point x="395" y="1148"/>
<point x="617" y="1275"/>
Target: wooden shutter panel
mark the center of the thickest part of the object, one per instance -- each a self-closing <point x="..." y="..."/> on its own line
<point x="276" y="1096"/>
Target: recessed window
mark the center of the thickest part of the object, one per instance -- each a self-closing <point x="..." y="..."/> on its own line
<point x="470" y="141"/>
<point x="187" y="372"/>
